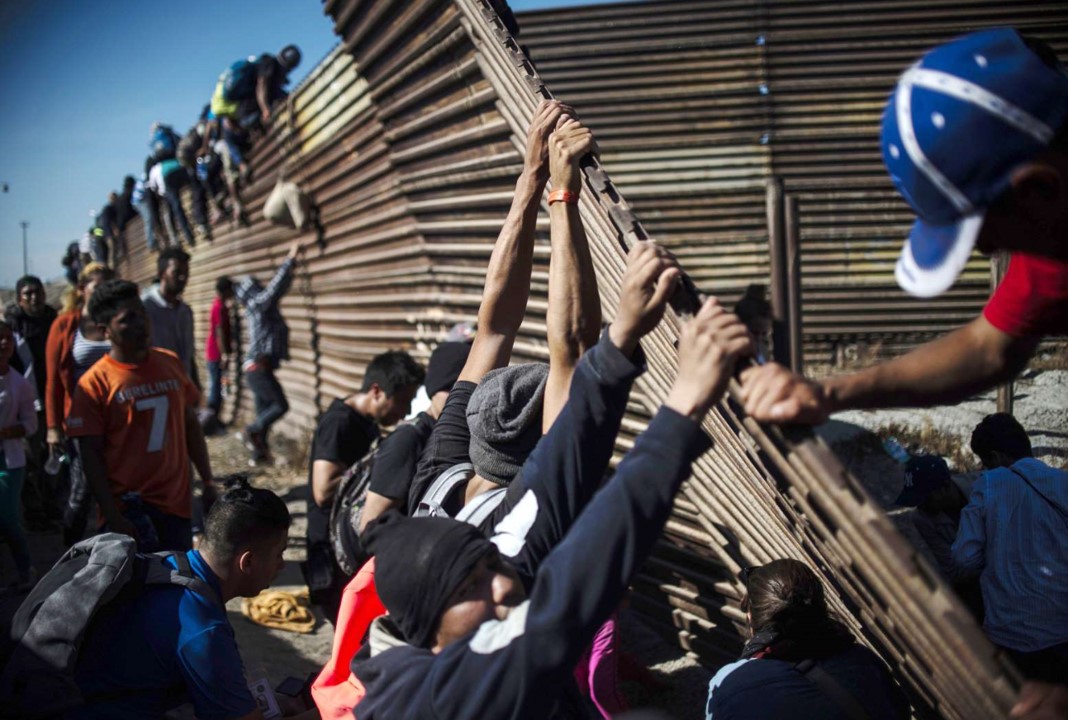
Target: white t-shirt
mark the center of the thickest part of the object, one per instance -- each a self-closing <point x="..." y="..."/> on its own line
<point x="17" y="397"/>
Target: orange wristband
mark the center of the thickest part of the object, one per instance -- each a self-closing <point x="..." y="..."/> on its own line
<point x="564" y="196"/>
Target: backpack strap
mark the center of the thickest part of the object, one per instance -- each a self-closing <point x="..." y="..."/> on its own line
<point x="832" y="689"/>
<point x="439" y="491"/>
<point x="478" y="510"/>
<point x="160" y="573"/>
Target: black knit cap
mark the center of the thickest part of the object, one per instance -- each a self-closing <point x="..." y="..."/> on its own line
<point x="446" y="363"/>
<point x="419" y="562"/>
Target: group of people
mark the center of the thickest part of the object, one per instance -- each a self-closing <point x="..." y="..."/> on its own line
<point x="473" y="561"/>
<point x="210" y="159"/>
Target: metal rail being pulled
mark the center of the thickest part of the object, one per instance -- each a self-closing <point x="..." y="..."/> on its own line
<point x="780" y="491"/>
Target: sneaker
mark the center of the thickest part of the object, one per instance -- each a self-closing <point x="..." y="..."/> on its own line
<point x="246" y="438"/>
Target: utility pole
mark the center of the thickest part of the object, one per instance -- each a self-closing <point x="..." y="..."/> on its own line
<point x="25" y="257"/>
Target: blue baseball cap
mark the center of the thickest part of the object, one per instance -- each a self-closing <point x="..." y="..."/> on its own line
<point x="923" y="475"/>
<point x="957" y="125"/>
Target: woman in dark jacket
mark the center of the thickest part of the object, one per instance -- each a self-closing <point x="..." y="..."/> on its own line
<point x="801" y="661"/>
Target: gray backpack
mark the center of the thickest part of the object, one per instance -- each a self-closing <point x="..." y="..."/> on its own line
<point x="50" y="626"/>
<point x="441" y="490"/>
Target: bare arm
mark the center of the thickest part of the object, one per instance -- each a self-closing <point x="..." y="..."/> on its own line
<point x="573" y="320"/>
<point x="504" y="299"/>
<point x="947" y="370"/>
<point x="374" y="506"/>
<point x="91" y="451"/>
<point x="261" y="97"/>
<point x="326" y="476"/>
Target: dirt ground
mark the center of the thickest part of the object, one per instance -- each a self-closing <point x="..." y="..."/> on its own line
<point x="1041" y="405"/>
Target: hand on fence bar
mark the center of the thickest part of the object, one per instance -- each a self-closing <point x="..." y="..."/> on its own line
<point x="536" y="161"/>
<point x="709" y="346"/>
<point x="568" y="144"/>
<point x="647" y="283"/>
<point x="773" y="393"/>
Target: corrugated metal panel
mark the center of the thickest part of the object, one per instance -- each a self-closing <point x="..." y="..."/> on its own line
<point x="692" y="99"/>
<point x="408" y="137"/>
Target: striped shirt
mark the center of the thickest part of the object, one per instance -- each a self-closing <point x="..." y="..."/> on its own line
<point x="1018" y="541"/>
<point x="268" y="335"/>
<point x="86" y="353"/>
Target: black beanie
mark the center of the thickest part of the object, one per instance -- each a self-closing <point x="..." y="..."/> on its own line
<point x="419" y="562"/>
<point x="445" y="364"/>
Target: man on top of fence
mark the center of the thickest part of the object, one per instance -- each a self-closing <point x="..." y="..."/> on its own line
<point x="975" y="138"/>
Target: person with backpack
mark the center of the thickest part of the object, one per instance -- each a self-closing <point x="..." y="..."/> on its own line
<point x="1014" y="536"/>
<point x="148" y="632"/>
<point x="344" y="434"/>
<point x="800" y="660"/>
<point x="166" y="178"/>
<point x="18" y="420"/>
<point x="470" y="633"/>
<point x="247" y="90"/>
<point x="133" y="417"/>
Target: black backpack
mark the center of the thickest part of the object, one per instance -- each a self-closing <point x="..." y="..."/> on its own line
<point x="345" y="514"/>
<point x="50" y="626"/>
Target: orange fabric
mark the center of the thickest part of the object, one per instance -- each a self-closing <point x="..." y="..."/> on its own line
<point x="139" y="410"/>
<point x="336" y="691"/>
<point x="59" y="364"/>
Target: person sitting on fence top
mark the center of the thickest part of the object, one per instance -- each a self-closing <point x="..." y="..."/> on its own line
<point x="938" y="498"/>
<point x="464" y="637"/>
<point x="496" y="413"/>
<point x="343" y="435"/>
<point x="801" y="660"/>
<point x="1014" y="535"/>
<point x="171" y="645"/>
<point x="975" y="138"/>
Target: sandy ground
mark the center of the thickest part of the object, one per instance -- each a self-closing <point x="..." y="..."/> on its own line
<point x="1041" y="405"/>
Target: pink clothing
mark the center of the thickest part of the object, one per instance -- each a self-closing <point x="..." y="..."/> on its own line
<point x="219" y="319"/>
<point x="597" y="673"/>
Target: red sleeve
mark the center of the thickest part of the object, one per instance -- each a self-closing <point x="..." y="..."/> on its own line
<point x="1032" y="299"/>
<point x="53" y="399"/>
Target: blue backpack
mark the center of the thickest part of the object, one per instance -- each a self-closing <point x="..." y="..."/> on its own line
<point x="239" y="80"/>
<point x="164" y="142"/>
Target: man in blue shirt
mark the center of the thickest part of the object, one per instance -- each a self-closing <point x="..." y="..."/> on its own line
<point x="171" y="645"/>
<point x="1014" y="534"/>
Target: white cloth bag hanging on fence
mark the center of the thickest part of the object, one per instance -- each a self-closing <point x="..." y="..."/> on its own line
<point x="288" y="205"/>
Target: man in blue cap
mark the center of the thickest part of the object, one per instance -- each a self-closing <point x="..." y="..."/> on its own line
<point x="975" y="138"/>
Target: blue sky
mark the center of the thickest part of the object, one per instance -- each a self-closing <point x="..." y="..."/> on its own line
<point x="81" y="82"/>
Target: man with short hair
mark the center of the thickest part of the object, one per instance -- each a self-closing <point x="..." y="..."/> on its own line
<point x="975" y="138"/>
<point x="268" y="346"/>
<point x="171" y="645"/>
<point x="1014" y="536"/>
<point x="133" y="417"/>
<point x="171" y="318"/>
<point x="343" y="435"/>
<point x="219" y="343"/>
<point x="31" y="318"/>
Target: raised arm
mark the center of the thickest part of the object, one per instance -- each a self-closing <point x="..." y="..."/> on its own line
<point x="535" y="648"/>
<point x="944" y="371"/>
<point x="573" y="320"/>
<point x="504" y="299"/>
<point x="280" y="283"/>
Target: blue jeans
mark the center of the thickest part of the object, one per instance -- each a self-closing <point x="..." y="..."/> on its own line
<point x="11" y="515"/>
<point x="150" y="216"/>
<point x="175" y="533"/>
<point x="271" y="402"/>
<point x="214" y="386"/>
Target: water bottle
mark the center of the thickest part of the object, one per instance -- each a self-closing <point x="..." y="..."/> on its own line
<point x="55" y="462"/>
<point x="134" y="511"/>
<point x="893" y="449"/>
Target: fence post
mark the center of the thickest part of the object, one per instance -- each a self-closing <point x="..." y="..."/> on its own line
<point x="793" y="283"/>
<point x="999" y="263"/>
<point x="778" y="286"/>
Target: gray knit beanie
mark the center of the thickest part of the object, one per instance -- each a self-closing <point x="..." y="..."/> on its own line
<point x="504" y="417"/>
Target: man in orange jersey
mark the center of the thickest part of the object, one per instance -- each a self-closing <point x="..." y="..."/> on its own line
<point x="133" y="417"/>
